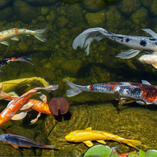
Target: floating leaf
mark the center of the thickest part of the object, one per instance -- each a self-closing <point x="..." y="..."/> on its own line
<point x="98" y="151"/>
<point x="142" y="153"/>
<point x="151" y="153"/>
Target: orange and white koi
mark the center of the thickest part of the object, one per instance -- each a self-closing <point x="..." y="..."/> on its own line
<point x="16" y="104"/>
<point x="14" y="32"/>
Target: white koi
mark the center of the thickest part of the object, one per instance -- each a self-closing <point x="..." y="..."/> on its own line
<point x="14" y="32"/>
<point x="137" y="43"/>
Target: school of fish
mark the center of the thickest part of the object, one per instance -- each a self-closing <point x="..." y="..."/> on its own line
<point x="125" y="92"/>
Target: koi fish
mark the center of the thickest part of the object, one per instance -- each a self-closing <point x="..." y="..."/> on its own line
<point x="32" y="104"/>
<point x="137" y="43"/>
<point x="16" y="104"/>
<point x="126" y="92"/>
<point x="14" y="32"/>
<point x="88" y="135"/>
<point x="20" y="141"/>
<point x="15" y="59"/>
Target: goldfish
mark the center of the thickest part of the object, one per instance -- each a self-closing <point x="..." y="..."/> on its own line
<point x="14" y="32"/>
<point x="88" y="135"/>
<point x="17" y="103"/>
<point x="126" y="92"/>
<point x="20" y="141"/>
<point x="136" y="43"/>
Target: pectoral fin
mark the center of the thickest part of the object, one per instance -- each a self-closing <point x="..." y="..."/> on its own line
<point x="15" y="38"/>
<point x="27" y="106"/>
<point x="4" y="43"/>
<point x="36" y="119"/>
<point x="150" y="32"/>
<point x="128" y="54"/>
<point x="145" y="82"/>
<point x="19" y="116"/>
<point x="15" y="146"/>
<point x="155" y="66"/>
<point x="101" y="141"/>
<point x="43" y="98"/>
<point x="88" y="143"/>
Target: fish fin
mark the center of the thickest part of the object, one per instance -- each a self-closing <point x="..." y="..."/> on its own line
<point x="15" y="38"/>
<point x="145" y="82"/>
<point x="27" y="106"/>
<point x="13" y="94"/>
<point x="84" y="39"/>
<point x="74" y="90"/>
<point x="88" y="143"/>
<point x="19" y="116"/>
<point x="101" y="141"/>
<point x="39" y="34"/>
<point x="43" y="98"/>
<point x="33" y="121"/>
<point x="48" y="146"/>
<point x="150" y="32"/>
<point x="140" y="102"/>
<point x="128" y="54"/>
<point x="90" y="128"/>
<point x="4" y="43"/>
<point x="15" y="146"/>
<point x="155" y="66"/>
<point x="131" y="143"/>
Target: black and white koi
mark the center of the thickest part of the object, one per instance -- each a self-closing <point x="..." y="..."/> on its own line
<point x="20" y="141"/>
<point x="14" y="32"/>
<point x="137" y="43"/>
<point x="126" y="92"/>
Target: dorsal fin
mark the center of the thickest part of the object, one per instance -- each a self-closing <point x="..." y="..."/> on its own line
<point x="150" y="32"/>
<point x="145" y="82"/>
<point x="89" y="128"/>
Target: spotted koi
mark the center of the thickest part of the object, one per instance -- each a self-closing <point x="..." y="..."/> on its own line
<point x="14" y="32"/>
<point x="137" y="43"/>
<point x="126" y="92"/>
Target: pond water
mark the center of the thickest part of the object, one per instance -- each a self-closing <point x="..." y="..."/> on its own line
<point x="55" y="60"/>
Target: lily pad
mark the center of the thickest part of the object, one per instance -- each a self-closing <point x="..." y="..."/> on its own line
<point x="142" y="153"/>
<point x="151" y="153"/>
<point x="98" y="151"/>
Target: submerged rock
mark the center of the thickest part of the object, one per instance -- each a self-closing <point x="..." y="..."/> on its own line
<point x="95" y="19"/>
<point x="41" y="2"/>
<point x="4" y="3"/>
<point x="6" y="13"/>
<point x="153" y="7"/>
<point x="24" y="11"/>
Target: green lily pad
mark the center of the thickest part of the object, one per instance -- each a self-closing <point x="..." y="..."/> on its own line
<point x="142" y="153"/>
<point x="98" y="151"/>
<point x="151" y="153"/>
<point x="132" y="155"/>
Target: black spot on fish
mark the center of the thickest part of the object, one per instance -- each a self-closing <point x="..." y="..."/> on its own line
<point x="152" y="39"/>
<point x="127" y="39"/>
<point x="117" y="38"/>
<point x="143" y="43"/>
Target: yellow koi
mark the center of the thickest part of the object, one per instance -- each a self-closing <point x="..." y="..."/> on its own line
<point x="88" y="135"/>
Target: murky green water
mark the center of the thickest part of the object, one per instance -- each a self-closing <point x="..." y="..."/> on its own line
<point x="55" y="60"/>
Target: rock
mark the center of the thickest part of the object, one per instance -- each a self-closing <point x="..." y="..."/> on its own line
<point x="153" y="7"/>
<point x="62" y="21"/>
<point x="140" y="16"/>
<point x="44" y="10"/>
<point x="128" y="6"/>
<point x="41" y="2"/>
<point x="25" y="12"/>
<point x="147" y="3"/>
<point x="4" y="3"/>
<point x="95" y="19"/>
<point x="51" y="16"/>
<point x="6" y="13"/>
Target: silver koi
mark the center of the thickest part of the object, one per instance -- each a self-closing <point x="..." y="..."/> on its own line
<point x="137" y="43"/>
<point x="14" y="32"/>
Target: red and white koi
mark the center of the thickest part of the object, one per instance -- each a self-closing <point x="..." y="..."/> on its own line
<point x="126" y="92"/>
<point x="14" y="32"/>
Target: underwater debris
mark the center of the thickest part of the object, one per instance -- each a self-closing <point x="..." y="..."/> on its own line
<point x="59" y="106"/>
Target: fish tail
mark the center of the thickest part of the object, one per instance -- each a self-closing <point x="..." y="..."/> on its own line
<point x="74" y="89"/>
<point x="85" y="39"/>
<point x="25" y="59"/>
<point x="48" y="146"/>
<point x="131" y="143"/>
<point x="39" y="34"/>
